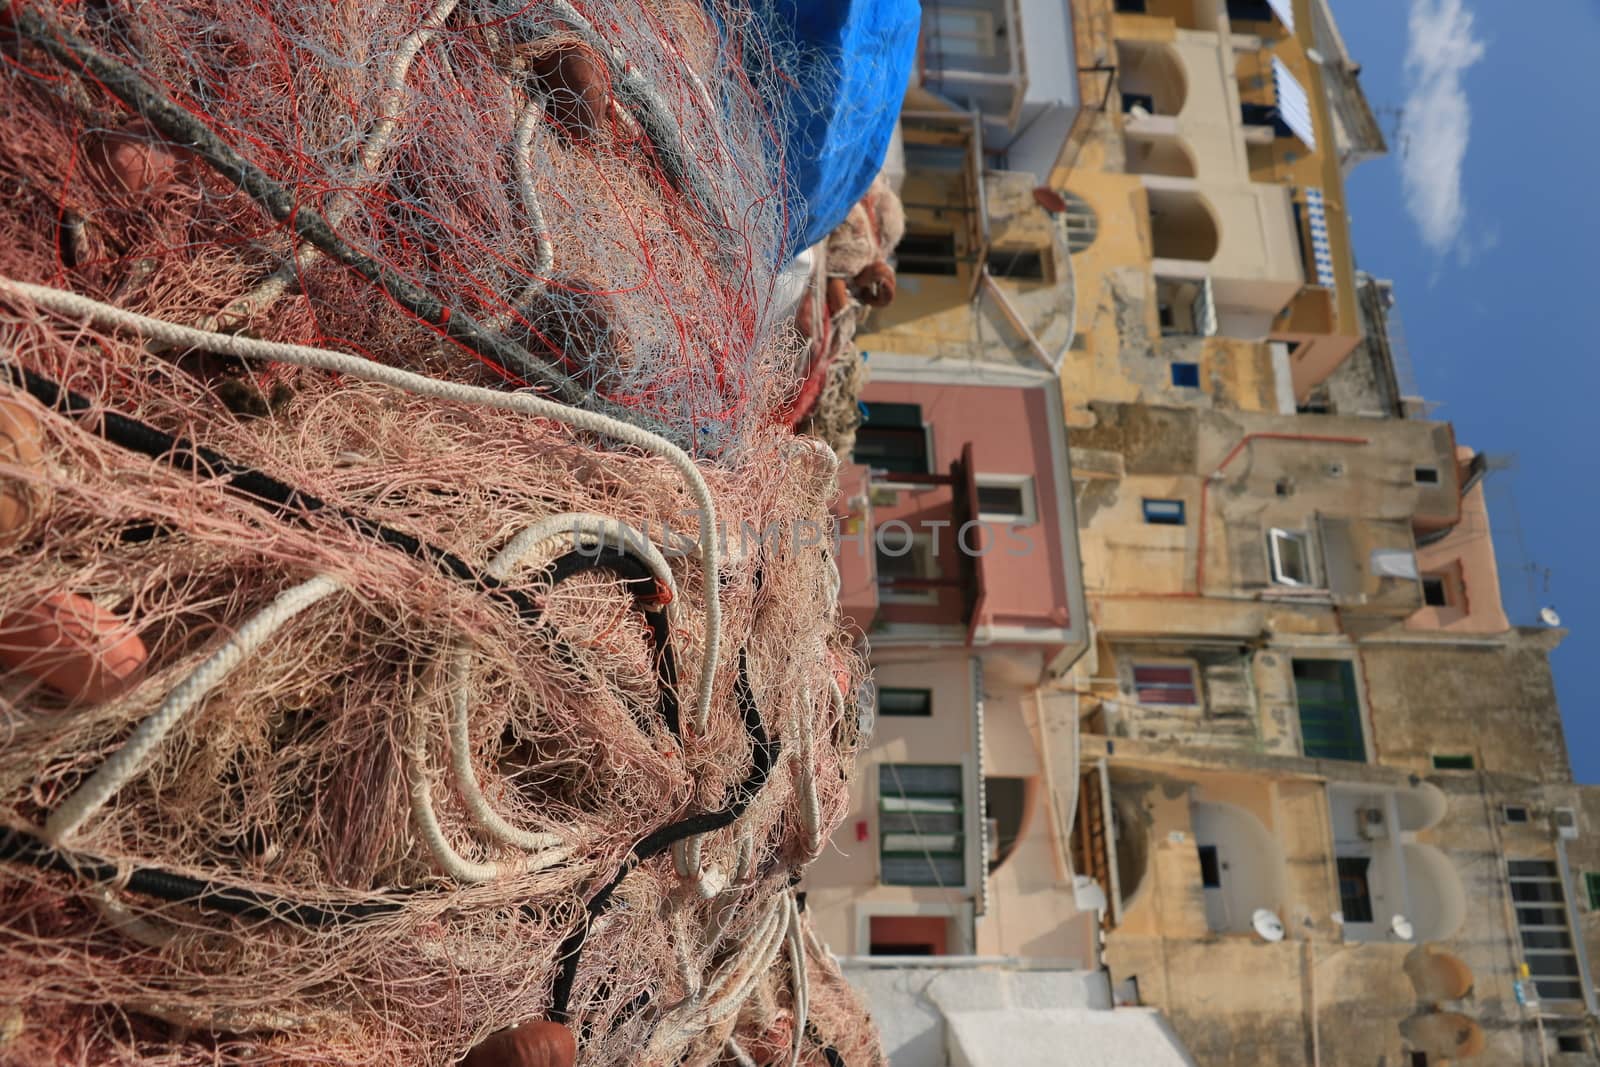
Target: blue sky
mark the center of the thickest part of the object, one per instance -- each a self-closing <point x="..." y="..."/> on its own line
<point x="1487" y="216"/>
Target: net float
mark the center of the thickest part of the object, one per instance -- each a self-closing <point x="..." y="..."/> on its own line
<point x="21" y="448"/>
<point x="534" y="1044"/>
<point x="72" y="646"/>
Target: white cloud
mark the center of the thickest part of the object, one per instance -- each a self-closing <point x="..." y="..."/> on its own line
<point x="1437" y="118"/>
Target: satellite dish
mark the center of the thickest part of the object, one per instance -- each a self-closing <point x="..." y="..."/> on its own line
<point x="1050" y="200"/>
<point x="1548" y="616"/>
<point x="1402" y="928"/>
<point x="1338" y="918"/>
<point x="1267" y="924"/>
<point x="1315" y="56"/>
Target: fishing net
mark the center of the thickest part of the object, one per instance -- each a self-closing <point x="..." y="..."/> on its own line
<point x="426" y="703"/>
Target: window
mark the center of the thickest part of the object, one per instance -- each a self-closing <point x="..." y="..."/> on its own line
<point x="1081" y="223"/>
<point x="1355" y="896"/>
<point x="1165" y="683"/>
<point x="905" y="702"/>
<point x="1427" y="475"/>
<point x="924" y="158"/>
<point x="1419" y="1059"/>
<point x="892" y="438"/>
<point x="1249" y="11"/>
<point x="1591" y="884"/>
<point x="1131" y="7"/>
<point x="1133" y="100"/>
<point x="1571" y="1043"/>
<point x="1435" y="593"/>
<point x="1290" y="554"/>
<point x="905" y="559"/>
<point x="1330" y="712"/>
<point x="1210" y="869"/>
<point x="1452" y="763"/>
<point x="1185" y="307"/>
<point x="960" y="31"/>
<point x="921" y="838"/>
<point x="1006" y="801"/>
<point x="1186" y="375"/>
<point x="1516" y="813"/>
<point x="1023" y="264"/>
<point x="1542" y="924"/>
<point x="1163" y="512"/>
<point x="1007" y="498"/>
<point x="926" y="253"/>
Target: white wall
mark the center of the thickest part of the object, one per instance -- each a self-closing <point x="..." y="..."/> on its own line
<point x="1252" y="864"/>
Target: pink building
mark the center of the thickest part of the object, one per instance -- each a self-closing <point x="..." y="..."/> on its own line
<point x="960" y="566"/>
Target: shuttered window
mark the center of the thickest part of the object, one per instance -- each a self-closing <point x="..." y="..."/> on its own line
<point x="1540" y="903"/>
<point x="1165" y="683"/>
<point x="1330" y="712"/>
<point x="921" y="818"/>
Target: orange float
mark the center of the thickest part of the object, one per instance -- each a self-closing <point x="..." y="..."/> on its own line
<point x="534" y="1044"/>
<point x="21" y="441"/>
<point x="72" y="646"/>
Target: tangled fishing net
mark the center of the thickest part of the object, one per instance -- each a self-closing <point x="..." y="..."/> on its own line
<point x="385" y="403"/>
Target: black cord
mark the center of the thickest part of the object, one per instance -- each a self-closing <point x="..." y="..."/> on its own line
<point x="19" y="846"/>
<point x="764" y="755"/>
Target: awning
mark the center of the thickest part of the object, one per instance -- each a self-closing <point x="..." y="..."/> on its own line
<point x="1321" y="250"/>
<point x="1294" y="106"/>
<point x="1285" y="10"/>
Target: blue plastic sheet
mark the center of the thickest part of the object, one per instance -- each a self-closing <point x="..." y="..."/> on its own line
<point x="846" y="71"/>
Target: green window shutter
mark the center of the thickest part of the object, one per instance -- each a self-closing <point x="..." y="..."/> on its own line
<point x="1330" y="711"/>
<point x="921" y="825"/>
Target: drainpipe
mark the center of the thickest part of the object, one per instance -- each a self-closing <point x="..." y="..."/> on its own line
<point x="1205" y="486"/>
<point x="1111" y="842"/>
<point x="981" y="904"/>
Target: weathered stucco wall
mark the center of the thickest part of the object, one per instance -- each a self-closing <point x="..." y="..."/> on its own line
<point x="1495" y="702"/>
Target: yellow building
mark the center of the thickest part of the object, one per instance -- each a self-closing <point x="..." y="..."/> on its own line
<point x="1306" y="782"/>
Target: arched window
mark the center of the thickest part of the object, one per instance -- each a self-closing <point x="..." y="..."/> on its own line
<point x="1079" y="221"/>
<point x="1151" y="77"/>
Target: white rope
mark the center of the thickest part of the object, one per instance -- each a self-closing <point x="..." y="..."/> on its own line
<point x="466" y="775"/>
<point x="729" y="988"/>
<point x="545" y="255"/>
<point x="584" y="528"/>
<point x="456" y="865"/>
<point x="802" y="983"/>
<point x="806" y="781"/>
<point x="740" y="1057"/>
<point x="729" y="994"/>
<point x="123" y="764"/>
<point x="122" y="919"/>
<point x="68" y="303"/>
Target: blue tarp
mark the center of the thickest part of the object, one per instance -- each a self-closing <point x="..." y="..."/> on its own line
<point x="846" y="71"/>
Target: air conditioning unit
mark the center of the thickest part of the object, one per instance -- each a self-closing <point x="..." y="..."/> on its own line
<point x="1566" y="820"/>
<point x="1372" y="823"/>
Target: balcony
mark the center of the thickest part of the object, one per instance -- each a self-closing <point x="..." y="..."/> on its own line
<point x="920" y="578"/>
<point x="1011" y="62"/>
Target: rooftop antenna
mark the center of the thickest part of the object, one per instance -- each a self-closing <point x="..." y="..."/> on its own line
<point x="1392" y="121"/>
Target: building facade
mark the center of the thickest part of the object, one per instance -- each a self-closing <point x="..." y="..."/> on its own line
<point x="1251" y="737"/>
